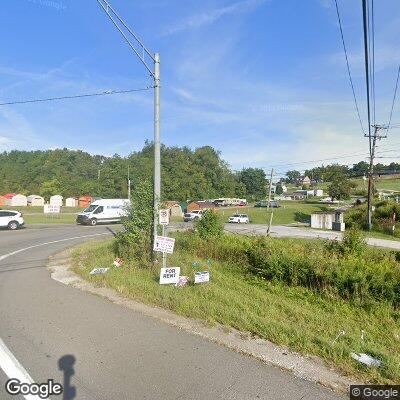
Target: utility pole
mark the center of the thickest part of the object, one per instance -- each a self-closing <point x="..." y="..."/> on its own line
<point x="270" y="188"/>
<point x="373" y="140"/>
<point x="157" y="149"/>
<point x="129" y="184"/>
<point x="144" y="56"/>
<point x="269" y="201"/>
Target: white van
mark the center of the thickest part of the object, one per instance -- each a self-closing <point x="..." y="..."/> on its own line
<point x="105" y="210"/>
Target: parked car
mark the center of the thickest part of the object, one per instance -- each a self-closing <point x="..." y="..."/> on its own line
<point x="193" y="215"/>
<point x="239" y="219"/>
<point x="11" y="219"/>
<point x="264" y="203"/>
<point x="106" y="210"/>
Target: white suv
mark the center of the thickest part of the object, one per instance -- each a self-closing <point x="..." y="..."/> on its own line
<point x="11" y="219"/>
<point x="239" y="219"/>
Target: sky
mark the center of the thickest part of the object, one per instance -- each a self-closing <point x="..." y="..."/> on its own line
<point x="262" y="81"/>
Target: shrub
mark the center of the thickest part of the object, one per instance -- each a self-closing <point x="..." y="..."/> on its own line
<point x="351" y="273"/>
<point x="209" y="226"/>
<point x="134" y="242"/>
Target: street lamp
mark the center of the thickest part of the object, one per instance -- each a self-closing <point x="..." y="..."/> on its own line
<point x="144" y="55"/>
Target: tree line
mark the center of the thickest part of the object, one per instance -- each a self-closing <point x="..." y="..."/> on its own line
<point x="186" y="174"/>
<point x="330" y="172"/>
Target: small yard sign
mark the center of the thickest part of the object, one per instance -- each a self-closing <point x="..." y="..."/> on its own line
<point x="169" y="275"/>
<point x="201" y="277"/>
<point x="164" y="244"/>
<point x="98" y="271"/>
<point x="164" y="217"/>
<point x="51" y="209"/>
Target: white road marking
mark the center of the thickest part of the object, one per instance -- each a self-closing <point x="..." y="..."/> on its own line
<point x="8" y="363"/>
<point x="13" y="369"/>
<point x="47" y="243"/>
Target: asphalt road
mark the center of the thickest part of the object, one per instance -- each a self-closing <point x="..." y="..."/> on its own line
<point x="103" y="351"/>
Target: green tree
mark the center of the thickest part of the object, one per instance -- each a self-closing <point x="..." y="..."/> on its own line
<point x="279" y="189"/>
<point x="50" y="188"/>
<point x="209" y="226"/>
<point x="293" y="176"/>
<point x="135" y="241"/>
<point x="255" y="181"/>
<point x="340" y="188"/>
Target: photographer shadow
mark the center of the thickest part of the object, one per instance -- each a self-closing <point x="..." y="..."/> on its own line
<point x="66" y="364"/>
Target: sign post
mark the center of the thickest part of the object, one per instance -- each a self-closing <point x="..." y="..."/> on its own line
<point x="164" y="221"/>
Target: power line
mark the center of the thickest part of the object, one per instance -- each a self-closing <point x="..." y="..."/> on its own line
<point x="348" y="67"/>
<point x="394" y="99"/>
<point x="372" y="61"/>
<point x="105" y="93"/>
<point x="366" y="58"/>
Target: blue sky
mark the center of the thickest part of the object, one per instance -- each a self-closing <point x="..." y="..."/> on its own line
<point x="263" y="81"/>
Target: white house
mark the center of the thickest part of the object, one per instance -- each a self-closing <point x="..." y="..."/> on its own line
<point x="19" y="200"/>
<point x="35" y="201"/>
<point x="71" y="202"/>
<point x="56" y="200"/>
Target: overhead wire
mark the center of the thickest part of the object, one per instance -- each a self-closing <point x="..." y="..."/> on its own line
<point x="367" y="74"/>
<point x="371" y="44"/>
<point x="348" y="67"/>
<point x="104" y="93"/>
<point x="393" y="101"/>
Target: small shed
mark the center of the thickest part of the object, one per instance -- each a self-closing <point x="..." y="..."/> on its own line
<point x="332" y="220"/>
<point x="322" y="220"/>
<point x="174" y="208"/>
<point x="16" y="200"/>
<point x="35" y="200"/>
<point x="84" y="201"/>
<point x="71" y="202"/>
<point x="200" y="205"/>
<point x="56" y="200"/>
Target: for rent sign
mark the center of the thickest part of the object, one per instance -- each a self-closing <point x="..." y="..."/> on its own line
<point x="169" y="275"/>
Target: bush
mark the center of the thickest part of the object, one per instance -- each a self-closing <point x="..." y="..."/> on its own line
<point x="349" y="270"/>
<point x="352" y="272"/>
<point x="134" y="242"/>
<point x="353" y="242"/>
<point x="209" y="226"/>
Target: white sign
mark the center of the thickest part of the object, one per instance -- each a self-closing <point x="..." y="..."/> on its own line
<point x="164" y="244"/>
<point x="201" y="277"/>
<point x="97" y="271"/>
<point x="51" y="209"/>
<point x="169" y="275"/>
<point x="164" y="217"/>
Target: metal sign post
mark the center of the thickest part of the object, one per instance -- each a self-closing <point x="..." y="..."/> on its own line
<point x="164" y="221"/>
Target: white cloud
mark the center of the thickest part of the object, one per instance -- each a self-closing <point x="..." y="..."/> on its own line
<point x="208" y="18"/>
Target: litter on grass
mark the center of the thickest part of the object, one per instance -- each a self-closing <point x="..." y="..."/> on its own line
<point x="98" y="271"/>
<point x="182" y="281"/>
<point x="366" y="359"/>
<point x="118" y="262"/>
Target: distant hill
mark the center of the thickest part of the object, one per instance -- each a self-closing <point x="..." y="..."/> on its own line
<point x="186" y="173"/>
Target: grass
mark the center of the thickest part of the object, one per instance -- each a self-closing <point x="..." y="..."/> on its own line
<point x="380" y="183"/>
<point x="290" y="212"/>
<point x="50" y="219"/>
<point x="39" y="210"/>
<point x="34" y="215"/>
<point x="296" y="317"/>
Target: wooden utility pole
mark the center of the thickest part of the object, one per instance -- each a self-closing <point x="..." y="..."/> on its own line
<point x="374" y="138"/>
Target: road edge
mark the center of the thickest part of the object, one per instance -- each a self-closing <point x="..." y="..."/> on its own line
<point x="310" y="368"/>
